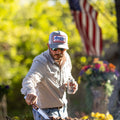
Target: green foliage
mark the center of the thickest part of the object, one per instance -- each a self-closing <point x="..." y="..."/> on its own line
<point x="107" y="19"/>
<point x="109" y="88"/>
<point x="24" y="33"/>
<point x="4" y="89"/>
<point x="88" y="100"/>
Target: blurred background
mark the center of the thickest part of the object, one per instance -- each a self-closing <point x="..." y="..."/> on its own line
<point x="25" y="26"/>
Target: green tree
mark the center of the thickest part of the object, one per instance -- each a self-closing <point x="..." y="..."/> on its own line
<point x="24" y="34"/>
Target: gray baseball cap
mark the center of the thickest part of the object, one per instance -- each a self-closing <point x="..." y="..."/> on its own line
<point x="58" y="39"/>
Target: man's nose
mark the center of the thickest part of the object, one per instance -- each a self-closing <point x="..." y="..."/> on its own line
<point x="58" y="51"/>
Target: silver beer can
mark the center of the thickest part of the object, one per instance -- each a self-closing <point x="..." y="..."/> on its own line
<point x="70" y="86"/>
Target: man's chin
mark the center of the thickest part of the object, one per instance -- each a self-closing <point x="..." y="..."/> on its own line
<point x="57" y="58"/>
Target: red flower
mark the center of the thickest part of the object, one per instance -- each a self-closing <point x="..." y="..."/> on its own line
<point x="97" y="66"/>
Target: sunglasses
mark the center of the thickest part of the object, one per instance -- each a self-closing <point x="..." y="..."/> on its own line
<point x="55" y="49"/>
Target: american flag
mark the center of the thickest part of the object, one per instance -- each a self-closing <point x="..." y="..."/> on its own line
<point x="85" y="18"/>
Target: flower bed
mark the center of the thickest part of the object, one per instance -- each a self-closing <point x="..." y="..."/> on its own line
<point x="99" y="80"/>
<point x="99" y="73"/>
<point x="92" y="116"/>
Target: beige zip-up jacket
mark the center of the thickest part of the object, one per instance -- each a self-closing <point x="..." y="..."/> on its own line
<point x="46" y="80"/>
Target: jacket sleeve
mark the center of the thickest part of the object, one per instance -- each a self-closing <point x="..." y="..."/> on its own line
<point x="32" y="78"/>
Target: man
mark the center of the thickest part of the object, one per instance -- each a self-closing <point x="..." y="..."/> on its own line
<point x="47" y="80"/>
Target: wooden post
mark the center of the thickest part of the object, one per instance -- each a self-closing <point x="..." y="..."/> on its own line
<point x="100" y="100"/>
<point x="3" y="108"/>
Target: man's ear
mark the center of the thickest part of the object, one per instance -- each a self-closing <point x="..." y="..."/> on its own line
<point x="48" y="45"/>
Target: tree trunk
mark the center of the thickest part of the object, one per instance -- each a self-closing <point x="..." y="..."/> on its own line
<point x="3" y="108"/>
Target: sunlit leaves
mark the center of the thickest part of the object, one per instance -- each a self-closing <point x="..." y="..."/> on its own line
<point x="107" y="19"/>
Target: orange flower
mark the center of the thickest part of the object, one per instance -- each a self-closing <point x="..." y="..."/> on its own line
<point x="111" y="66"/>
<point x="95" y="60"/>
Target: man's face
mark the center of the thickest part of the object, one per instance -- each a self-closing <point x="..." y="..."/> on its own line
<point x="57" y="53"/>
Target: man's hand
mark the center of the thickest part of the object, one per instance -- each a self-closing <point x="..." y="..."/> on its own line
<point x="31" y="99"/>
<point x="75" y="87"/>
<point x="72" y="87"/>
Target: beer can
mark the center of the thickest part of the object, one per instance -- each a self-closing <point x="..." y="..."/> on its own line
<point x="70" y="84"/>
